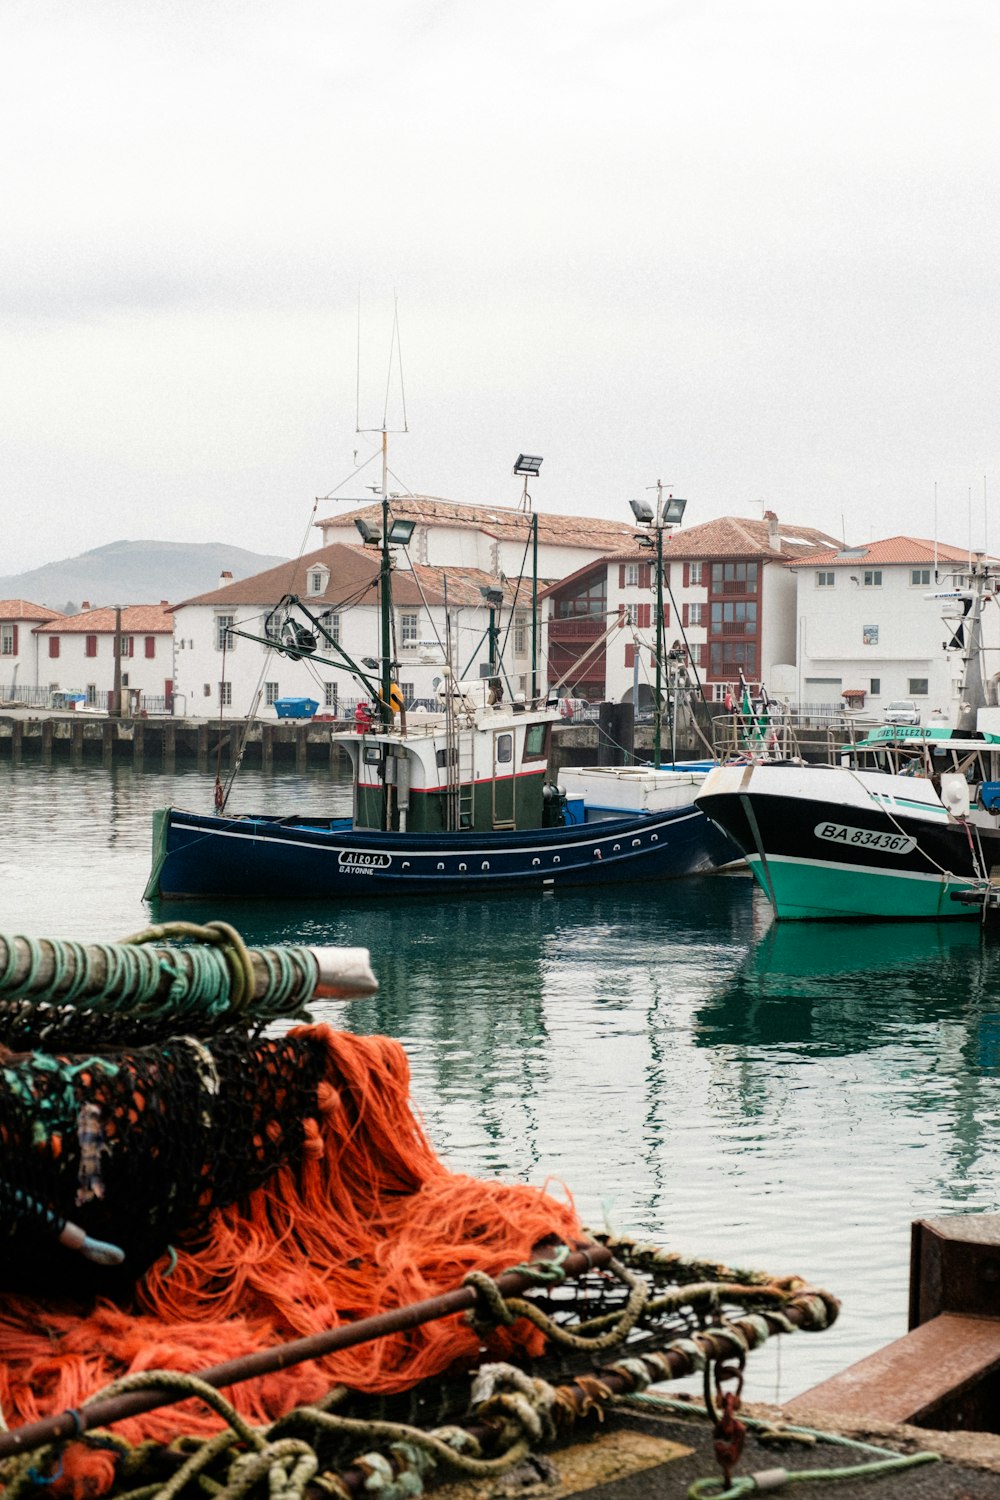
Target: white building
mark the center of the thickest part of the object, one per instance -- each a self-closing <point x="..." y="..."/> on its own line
<point x="496" y="539"/>
<point x="867" y="634"/>
<point x="19" y="647"/>
<point x="218" y="672"/>
<point x="76" y="655"/>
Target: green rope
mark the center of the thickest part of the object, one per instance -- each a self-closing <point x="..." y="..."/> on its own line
<point x="884" y="1461"/>
<point x="207" y="979"/>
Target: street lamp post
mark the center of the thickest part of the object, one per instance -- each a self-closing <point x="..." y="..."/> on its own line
<point x="669" y="512"/>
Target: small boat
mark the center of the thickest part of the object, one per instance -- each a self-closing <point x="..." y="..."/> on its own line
<point x="459" y="800"/>
<point x="907" y="825"/>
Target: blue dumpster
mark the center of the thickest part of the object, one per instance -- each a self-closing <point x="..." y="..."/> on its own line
<point x="295" y="708"/>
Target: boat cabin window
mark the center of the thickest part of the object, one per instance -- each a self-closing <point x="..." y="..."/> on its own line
<point x="535" y="741"/>
<point x="443" y="757"/>
<point x="505" y="748"/>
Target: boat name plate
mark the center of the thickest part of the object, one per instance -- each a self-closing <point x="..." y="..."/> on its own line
<point x="361" y="862"/>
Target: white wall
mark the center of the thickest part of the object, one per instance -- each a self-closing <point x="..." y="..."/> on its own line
<point x="74" y="671"/>
<point x="832" y="622"/>
<point x="199" y="660"/>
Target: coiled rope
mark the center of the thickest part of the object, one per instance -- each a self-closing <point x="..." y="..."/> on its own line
<point x="208" y="980"/>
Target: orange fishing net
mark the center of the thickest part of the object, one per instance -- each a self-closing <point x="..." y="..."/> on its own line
<point x="366" y="1220"/>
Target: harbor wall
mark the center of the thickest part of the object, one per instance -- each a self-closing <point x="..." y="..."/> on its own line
<point x="161" y="743"/>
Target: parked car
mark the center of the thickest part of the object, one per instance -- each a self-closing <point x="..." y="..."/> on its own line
<point x="903" y="711"/>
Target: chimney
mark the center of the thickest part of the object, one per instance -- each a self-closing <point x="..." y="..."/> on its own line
<point x="85" y="605"/>
<point x="773" y="540"/>
<point x="225" y="577"/>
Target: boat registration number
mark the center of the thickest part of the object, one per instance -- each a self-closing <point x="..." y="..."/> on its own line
<point x="865" y="838"/>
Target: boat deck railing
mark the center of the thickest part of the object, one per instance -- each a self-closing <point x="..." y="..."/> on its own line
<point x="802" y="734"/>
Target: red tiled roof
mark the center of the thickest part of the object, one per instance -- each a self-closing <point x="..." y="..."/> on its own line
<point x="23" y="609"/>
<point x="354" y="576"/>
<point x="137" y="619"/>
<point x="500" y="521"/>
<point x="893" y="549"/>
<point x="733" y="536"/>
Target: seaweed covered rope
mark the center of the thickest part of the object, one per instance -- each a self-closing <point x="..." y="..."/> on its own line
<point x="260" y="1193"/>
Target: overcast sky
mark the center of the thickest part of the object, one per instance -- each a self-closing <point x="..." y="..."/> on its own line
<point x="749" y="247"/>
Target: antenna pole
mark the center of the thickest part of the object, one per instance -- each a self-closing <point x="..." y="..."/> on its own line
<point x="935" y="534"/>
<point x="386" y="591"/>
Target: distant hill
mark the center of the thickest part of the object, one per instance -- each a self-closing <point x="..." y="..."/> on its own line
<point x="134" y="573"/>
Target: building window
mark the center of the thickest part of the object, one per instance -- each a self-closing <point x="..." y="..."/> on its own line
<point x="90" y="646"/>
<point x="918" y="687"/>
<point x="729" y="658"/>
<point x="407" y="690"/>
<point x="825" y="580"/>
<point x="272" y="693"/>
<point x="53" y="645"/>
<point x="734" y="578"/>
<point x="330" y="622"/>
<point x="520" y="632"/>
<point x="407" y="628"/>
<point x="869" y="635"/>
<point x="920" y="578"/>
<point x="224" y="638"/>
<point x="631" y="575"/>
<point x="225" y="694"/>
<point x="317" y="580"/>
<point x="330" y="695"/>
<point x="150" y="646"/>
<point x="8" y="640"/>
<point x="873" y="578"/>
<point x="630" y="656"/>
<point x="694" y="572"/>
<point x="874" y="687"/>
<point x="124" y="679"/>
<point x="128" y="645"/>
<point x="695" y="614"/>
<point x="91" y="692"/>
<point x="630" y="614"/>
<point x="738" y="617"/>
<point x="591" y="599"/>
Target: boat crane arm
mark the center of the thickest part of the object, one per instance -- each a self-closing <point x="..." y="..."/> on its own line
<point x="299" y="648"/>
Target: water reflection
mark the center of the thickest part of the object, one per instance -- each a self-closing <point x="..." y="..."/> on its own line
<point x="846" y="986"/>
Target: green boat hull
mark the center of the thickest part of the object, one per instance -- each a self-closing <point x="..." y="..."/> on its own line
<point x="807" y="890"/>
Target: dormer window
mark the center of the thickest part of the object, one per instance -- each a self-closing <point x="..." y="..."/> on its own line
<point x="318" y="578"/>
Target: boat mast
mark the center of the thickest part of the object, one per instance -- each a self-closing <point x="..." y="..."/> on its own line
<point x="385" y="593"/>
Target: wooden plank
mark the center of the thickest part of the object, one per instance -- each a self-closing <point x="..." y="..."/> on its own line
<point x="909" y="1379"/>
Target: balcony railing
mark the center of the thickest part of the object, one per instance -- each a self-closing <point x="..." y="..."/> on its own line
<point x="733" y="627"/>
<point x="583" y="628"/>
<point x="735" y="586"/>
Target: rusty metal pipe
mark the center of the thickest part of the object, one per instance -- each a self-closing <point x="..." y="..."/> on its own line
<point x="69" y="1424"/>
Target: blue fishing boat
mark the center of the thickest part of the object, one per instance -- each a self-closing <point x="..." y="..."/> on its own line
<point x="458" y="798"/>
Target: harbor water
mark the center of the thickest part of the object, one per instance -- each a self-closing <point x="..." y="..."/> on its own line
<point x="784" y="1098"/>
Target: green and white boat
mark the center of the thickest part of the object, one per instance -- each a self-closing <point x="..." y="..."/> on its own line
<point x="906" y="825"/>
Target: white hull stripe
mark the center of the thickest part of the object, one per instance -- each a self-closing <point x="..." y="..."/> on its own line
<point x="884" y="872"/>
